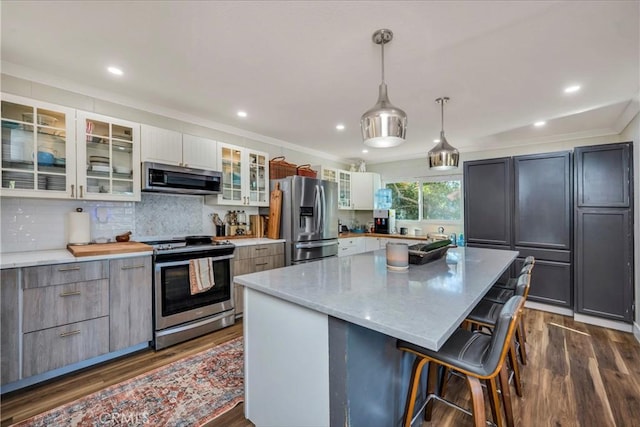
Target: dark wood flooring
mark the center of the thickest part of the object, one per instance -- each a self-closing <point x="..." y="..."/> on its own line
<point x="578" y="375"/>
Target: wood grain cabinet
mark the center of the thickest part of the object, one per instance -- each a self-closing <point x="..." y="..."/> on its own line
<point x="130" y="315"/>
<point x="65" y="315"/>
<point x="10" y="326"/>
<point x="251" y="259"/>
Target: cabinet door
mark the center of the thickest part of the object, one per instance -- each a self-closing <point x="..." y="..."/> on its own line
<point x="550" y="282"/>
<point x="257" y="191"/>
<point x="160" y="145"/>
<point x="603" y="175"/>
<point x="543" y="201"/>
<point x="344" y="189"/>
<point x="604" y="263"/>
<point x="364" y="186"/>
<point x="108" y="158"/>
<point x="200" y="153"/>
<point x="371" y="244"/>
<point x="329" y="174"/>
<point x="230" y="163"/>
<point x="38" y="149"/>
<point x="487" y="201"/>
<point x="130" y="316"/>
<point x="10" y="331"/>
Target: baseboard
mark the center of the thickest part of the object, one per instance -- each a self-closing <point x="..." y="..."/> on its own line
<point x="636" y="331"/>
<point x="550" y="308"/>
<point x="611" y="324"/>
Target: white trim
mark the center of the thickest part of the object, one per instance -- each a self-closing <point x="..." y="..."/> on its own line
<point x="549" y="308"/>
<point x="605" y="323"/>
<point x="35" y="76"/>
<point x="636" y="331"/>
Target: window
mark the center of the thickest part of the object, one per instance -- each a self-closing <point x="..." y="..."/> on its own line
<point x="405" y="199"/>
<point x="430" y="199"/>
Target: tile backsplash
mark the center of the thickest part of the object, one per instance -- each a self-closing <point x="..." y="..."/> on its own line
<point x="42" y="224"/>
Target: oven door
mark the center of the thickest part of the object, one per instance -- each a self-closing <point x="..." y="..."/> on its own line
<point x="174" y="303"/>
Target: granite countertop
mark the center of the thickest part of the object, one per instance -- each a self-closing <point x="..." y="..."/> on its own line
<point x="423" y="304"/>
<point x="62" y="256"/>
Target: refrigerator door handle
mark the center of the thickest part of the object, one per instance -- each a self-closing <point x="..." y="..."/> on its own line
<point x="308" y="245"/>
<point x="323" y="209"/>
<point x="318" y="210"/>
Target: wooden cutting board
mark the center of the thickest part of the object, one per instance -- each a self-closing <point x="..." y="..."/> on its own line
<point x="108" y="248"/>
<point x="275" y="208"/>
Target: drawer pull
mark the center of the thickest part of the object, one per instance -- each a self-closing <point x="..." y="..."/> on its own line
<point x="261" y="249"/>
<point x="70" y="293"/>
<point x="130" y="267"/>
<point x="69" y="268"/>
<point x="68" y="334"/>
<point x="264" y="263"/>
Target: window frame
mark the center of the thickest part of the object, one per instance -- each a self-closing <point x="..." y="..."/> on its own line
<point x="426" y="179"/>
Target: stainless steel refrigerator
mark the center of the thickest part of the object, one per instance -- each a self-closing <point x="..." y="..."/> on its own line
<point x="309" y="218"/>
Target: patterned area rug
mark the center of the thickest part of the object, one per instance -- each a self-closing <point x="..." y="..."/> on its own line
<point x="188" y="392"/>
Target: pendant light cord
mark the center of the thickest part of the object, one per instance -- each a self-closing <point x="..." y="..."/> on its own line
<point x="442" y="115"/>
<point x="382" y="47"/>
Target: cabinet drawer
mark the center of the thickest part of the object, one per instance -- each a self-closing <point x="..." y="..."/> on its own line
<point x="267" y="250"/>
<point x="57" y="347"/>
<point x="242" y="252"/>
<point x="62" y="304"/>
<point x="58" y="274"/>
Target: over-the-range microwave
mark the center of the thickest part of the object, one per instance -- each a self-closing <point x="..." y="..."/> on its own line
<point x="163" y="178"/>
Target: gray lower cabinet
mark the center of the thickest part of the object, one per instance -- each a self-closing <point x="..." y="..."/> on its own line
<point x="130" y="316"/>
<point x="54" y="348"/>
<point x="604" y="263"/>
<point x="551" y="281"/>
<point x="10" y="326"/>
<point x="251" y="259"/>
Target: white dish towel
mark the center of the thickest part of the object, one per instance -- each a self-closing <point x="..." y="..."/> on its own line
<point x="201" y="275"/>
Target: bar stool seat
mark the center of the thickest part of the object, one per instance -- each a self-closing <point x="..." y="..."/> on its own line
<point x="475" y="355"/>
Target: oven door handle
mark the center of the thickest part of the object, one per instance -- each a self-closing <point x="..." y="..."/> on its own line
<point x="186" y="261"/>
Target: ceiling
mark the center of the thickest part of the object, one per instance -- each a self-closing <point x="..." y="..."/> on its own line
<point x="300" y="68"/>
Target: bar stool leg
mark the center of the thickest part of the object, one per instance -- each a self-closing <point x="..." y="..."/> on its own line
<point x="432" y="380"/>
<point x="516" y="369"/>
<point x="477" y="400"/>
<point x="413" y="389"/>
<point x="494" y="401"/>
<point x="520" y="336"/>
<point x="503" y="376"/>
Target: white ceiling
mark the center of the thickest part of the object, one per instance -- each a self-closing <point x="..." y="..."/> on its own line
<point x="300" y="68"/>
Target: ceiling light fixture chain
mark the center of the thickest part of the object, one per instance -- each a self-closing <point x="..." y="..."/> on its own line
<point x="443" y="156"/>
<point x="383" y="125"/>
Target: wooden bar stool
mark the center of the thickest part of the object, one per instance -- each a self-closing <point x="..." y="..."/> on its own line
<point x="502" y="292"/>
<point x="476" y="356"/>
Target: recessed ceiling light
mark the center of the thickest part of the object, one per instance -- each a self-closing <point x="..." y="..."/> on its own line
<point x="540" y="123"/>
<point x="435" y="141"/>
<point x="365" y="151"/>
<point x="340" y="126"/>
<point x="115" y="70"/>
<point x="242" y="114"/>
<point x="572" y="89"/>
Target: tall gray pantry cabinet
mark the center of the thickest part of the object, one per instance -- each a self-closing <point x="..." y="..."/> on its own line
<point x="525" y="203"/>
<point x="604" y="231"/>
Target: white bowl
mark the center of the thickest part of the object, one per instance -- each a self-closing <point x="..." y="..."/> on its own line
<point x="122" y="169"/>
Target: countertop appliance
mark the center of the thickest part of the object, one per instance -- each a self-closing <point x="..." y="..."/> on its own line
<point x="384" y="221"/>
<point x="309" y="220"/>
<point x="180" y="315"/>
<point x="158" y="177"/>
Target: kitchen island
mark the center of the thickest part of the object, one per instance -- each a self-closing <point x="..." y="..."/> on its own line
<point x="320" y="337"/>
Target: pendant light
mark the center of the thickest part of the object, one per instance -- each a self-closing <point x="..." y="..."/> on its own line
<point x="443" y="156"/>
<point x="383" y="125"/>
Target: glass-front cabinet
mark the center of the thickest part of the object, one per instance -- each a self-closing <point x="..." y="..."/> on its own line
<point x="245" y="176"/>
<point x="108" y="158"/>
<point x="38" y="148"/>
<point x="344" y="189"/>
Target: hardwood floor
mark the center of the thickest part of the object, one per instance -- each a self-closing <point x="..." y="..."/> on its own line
<point x="578" y="375"/>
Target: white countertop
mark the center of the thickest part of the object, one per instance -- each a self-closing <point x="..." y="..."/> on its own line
<point x="422" y="305"/>
<point x="61" y="256"/>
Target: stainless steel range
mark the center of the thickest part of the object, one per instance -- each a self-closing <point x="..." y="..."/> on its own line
<point x="180" y="313"/>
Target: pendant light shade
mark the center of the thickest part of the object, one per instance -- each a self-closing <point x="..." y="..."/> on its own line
<point x="443" y="156"/>
<point x="383" y="125"/>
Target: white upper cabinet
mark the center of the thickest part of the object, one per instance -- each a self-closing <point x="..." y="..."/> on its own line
<point x="344" y="190"/>
<point x="363" y="189"/>
<point x="199" y="152"/>
<point x="328" y="174"/>
<point x="245" y="176"/>
<point x="174" y="148"/>
<point x="108" y="153"/>
<point x="38" y="149"/>
<point x="161" y="145"/>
